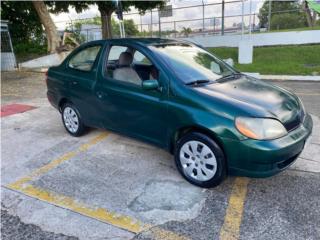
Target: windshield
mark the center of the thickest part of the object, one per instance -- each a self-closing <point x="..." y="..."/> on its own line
<point x="191" y="63"/>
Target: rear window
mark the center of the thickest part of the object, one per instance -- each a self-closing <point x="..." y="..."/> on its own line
<point x="85" y="59"/>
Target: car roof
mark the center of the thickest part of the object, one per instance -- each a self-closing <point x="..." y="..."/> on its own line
<point x="141" y="41"/>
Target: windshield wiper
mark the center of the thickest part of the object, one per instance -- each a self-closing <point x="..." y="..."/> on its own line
<point x="230" y="76"/>
<point x="198" y="82"/>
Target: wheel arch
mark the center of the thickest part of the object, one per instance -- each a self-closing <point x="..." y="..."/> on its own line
<point x="188" y="129"/>
<point x="62" y="102"/>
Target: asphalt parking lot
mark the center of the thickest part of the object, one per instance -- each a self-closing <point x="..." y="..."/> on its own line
<point x="107" y="186"/>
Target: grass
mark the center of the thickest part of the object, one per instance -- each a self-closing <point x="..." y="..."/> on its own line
<point x="279" y="60"/>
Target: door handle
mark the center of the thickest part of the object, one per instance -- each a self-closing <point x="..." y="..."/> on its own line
<point x="101" y="95"/>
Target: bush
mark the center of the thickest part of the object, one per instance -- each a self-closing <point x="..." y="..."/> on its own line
<point x="28" y="50"/>
<point x="287" y="21"/>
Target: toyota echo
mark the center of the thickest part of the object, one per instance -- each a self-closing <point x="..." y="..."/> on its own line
<point x="215" y="120"/>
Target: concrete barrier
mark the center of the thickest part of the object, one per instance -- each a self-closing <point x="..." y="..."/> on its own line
<point x="259" y="39"/>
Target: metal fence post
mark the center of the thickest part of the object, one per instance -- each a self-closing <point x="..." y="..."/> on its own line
<point x="242" y="19"/>
<point x="269" y="16"/>
<point x="222" y="19"/>
<point x="140" y="23"/>
<point x="250" y="24"/>
<point x="214" y="25"/>
<point x="151" y="24"/>
<point x="159" y="23"/>
<point x="202" y="16"/>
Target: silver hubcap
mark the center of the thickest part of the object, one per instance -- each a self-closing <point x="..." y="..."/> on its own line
<point x="70" y="119"/>
<point x="198" y="161"/>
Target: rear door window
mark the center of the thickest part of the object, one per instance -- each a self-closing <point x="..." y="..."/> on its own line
<point x="85" y="59"/>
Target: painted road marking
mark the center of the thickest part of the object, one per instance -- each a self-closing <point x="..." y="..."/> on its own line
<point x="97" y="213"/>
<point x="101" y="214"/>
<point x="11" y="109"/>
<point x="44" y="169"/>
<point x="232" y="220"/>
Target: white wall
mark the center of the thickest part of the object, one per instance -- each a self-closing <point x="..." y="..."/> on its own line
<point x="259" y="39"/>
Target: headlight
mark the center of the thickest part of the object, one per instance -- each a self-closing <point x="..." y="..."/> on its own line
<point x="260" y="128"/>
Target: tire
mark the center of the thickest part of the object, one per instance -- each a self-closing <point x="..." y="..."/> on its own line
<point x="200" y="160"/>
<point x="72" y="121"/>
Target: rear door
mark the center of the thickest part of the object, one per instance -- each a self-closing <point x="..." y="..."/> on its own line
<point x="81" y="71"/>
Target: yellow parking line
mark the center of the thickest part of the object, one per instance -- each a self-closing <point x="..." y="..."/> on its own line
<point x="98" y="213"/>
<point x="56" y="162"/>
<point x="118" y="220"/>
<point x="232" y="221"/>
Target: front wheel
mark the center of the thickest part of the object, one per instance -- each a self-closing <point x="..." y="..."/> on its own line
<point x="72" y="121"/>
<point x="200" y="160"/>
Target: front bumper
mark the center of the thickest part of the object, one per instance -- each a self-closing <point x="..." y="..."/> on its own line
<point x="254" y="158"/>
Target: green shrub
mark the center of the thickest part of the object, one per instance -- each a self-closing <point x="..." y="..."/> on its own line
<point x="28" y="50"/>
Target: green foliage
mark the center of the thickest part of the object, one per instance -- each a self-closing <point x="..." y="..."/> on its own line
<point x="129" y="27"/>
<point x="29" y="50"/>
<point x="293" y="6"/>
<point x="75" y="27"/>
<point x="24" y="23"/>
<point x="186" y="31"/>
<point x="290" y="60"/>
<point x="288" y="21"/>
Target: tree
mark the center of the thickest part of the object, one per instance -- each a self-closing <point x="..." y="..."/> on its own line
<point x="279" y="8"/>
<point x="53" y="38"/>
<point x="24" y="21"/>
<point x="186" y="31"/>
<point x="129" y="26"/>
<point x="311" y="18"/>
<point x="287" y="21"/>
<point x="106" y="8"/>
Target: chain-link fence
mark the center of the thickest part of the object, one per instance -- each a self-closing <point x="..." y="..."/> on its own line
<point x="220" y="18"/>
<point x="8" y="60"/>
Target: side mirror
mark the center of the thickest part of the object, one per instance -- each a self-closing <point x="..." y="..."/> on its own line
<point x="150" y="84"/>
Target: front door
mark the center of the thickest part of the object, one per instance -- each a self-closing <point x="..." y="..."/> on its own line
<point x="126" y="107"/>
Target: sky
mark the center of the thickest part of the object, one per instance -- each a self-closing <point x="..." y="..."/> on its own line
<point x="179" y="15"/>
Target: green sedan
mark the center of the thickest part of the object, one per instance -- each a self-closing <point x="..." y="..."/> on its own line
<point x="176" y="95"/>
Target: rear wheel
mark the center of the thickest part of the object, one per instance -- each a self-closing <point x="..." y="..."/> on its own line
<point x="72" y="120"/>
<point x="200" y="160"/>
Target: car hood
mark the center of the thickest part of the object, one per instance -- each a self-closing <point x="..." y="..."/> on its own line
<point x="253" y="94"/>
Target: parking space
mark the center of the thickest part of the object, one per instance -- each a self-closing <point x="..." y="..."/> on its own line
<point x="107" y="186"/>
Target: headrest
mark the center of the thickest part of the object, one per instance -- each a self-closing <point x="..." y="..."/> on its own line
<point x="125" y="59"/>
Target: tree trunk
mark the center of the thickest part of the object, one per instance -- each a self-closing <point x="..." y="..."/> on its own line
<point x="106" y="24"/>
<point x="308" y="14"/>
<point x="51" y="32"/>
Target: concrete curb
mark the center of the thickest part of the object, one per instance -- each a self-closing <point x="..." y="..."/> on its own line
<point x="283" y="77"/>
<point x="290" y="78"/>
